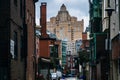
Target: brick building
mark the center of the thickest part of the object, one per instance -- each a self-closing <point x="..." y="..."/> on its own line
<point x="12" y="60"/>
<point x="30" y="39"/>
<point x="17" y="22"/>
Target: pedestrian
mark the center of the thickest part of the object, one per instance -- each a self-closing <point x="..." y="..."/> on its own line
<point x="48" y="77"/>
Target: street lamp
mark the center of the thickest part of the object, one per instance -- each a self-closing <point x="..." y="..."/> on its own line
<point x="109" y="11"/>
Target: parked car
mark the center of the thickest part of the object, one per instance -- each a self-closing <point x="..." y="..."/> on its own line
<point x="54" y="76"/>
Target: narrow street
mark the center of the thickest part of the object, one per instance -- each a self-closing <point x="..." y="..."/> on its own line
<point x="59" y="39"/>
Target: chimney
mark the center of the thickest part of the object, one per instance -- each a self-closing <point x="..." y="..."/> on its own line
<point x="43" y="20"/>
<point x="84" y="36"/>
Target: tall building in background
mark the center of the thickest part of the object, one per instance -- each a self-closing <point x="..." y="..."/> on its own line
<point x="66" y="28"/>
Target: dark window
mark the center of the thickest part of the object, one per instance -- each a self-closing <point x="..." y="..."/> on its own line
<point x="51" y="51"/>
<point x="33" y="65"/>
<point x="15" y="45"/>
<point x="54" y="30"/>
<point x="15" y="2"/>
<point x="4" y="73"/>
<point x="21" y="48"/>
<point x="56" y="50"/>
<point x="21" y="8"/>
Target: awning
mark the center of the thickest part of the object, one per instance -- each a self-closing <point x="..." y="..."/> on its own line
<point x="45" y="60"/>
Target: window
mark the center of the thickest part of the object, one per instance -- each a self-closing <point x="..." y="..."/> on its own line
<point x="73" y="64"/>
<point x="68" y="64"/>
<point x="15" y="2"/>
<point x="56" y="50"/>
<point x="55" y="30"/>
<point x="68" y="58"/>
<point x="51" y="51"/>
<point x="21" y="8"/>
<point x="21" y="48"/>
<point x="15" y="45"/>
<point x="4" y="73"/>
<point x="69" y="29"/>
<point x="79" y="28"/>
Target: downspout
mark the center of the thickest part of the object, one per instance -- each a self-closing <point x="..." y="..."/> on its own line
<point x="35" y="41"/>
<point x="25" y="38"/>
<point x="9" y="55"/>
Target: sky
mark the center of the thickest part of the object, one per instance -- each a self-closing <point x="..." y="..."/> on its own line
<point x="77" y="8"/>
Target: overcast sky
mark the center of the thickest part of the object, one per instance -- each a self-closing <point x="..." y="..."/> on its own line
<point x="77" y="8"/>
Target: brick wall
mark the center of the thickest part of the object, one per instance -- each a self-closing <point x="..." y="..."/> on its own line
<point x="30" y="21"/>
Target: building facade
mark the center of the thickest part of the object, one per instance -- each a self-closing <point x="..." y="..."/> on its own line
<point x="108" y="54"/>
<point x="114" y="36"/>
<point x="29" y="32"/>
<point x="12" y="60"/>
<point x="66" y="28"/>
<point x="98" y="55"/>
<point x="15" y="39"/>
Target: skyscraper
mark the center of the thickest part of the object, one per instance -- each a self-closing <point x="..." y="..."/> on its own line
<point x="66" y="27"/>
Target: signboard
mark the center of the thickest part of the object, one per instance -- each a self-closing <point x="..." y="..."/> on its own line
<point x="12" y="48"/>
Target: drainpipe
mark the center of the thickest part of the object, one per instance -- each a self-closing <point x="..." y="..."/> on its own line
<point x="119" y="34"/>
<point x="35" y="64"/>
<point x="25" y="38"/>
